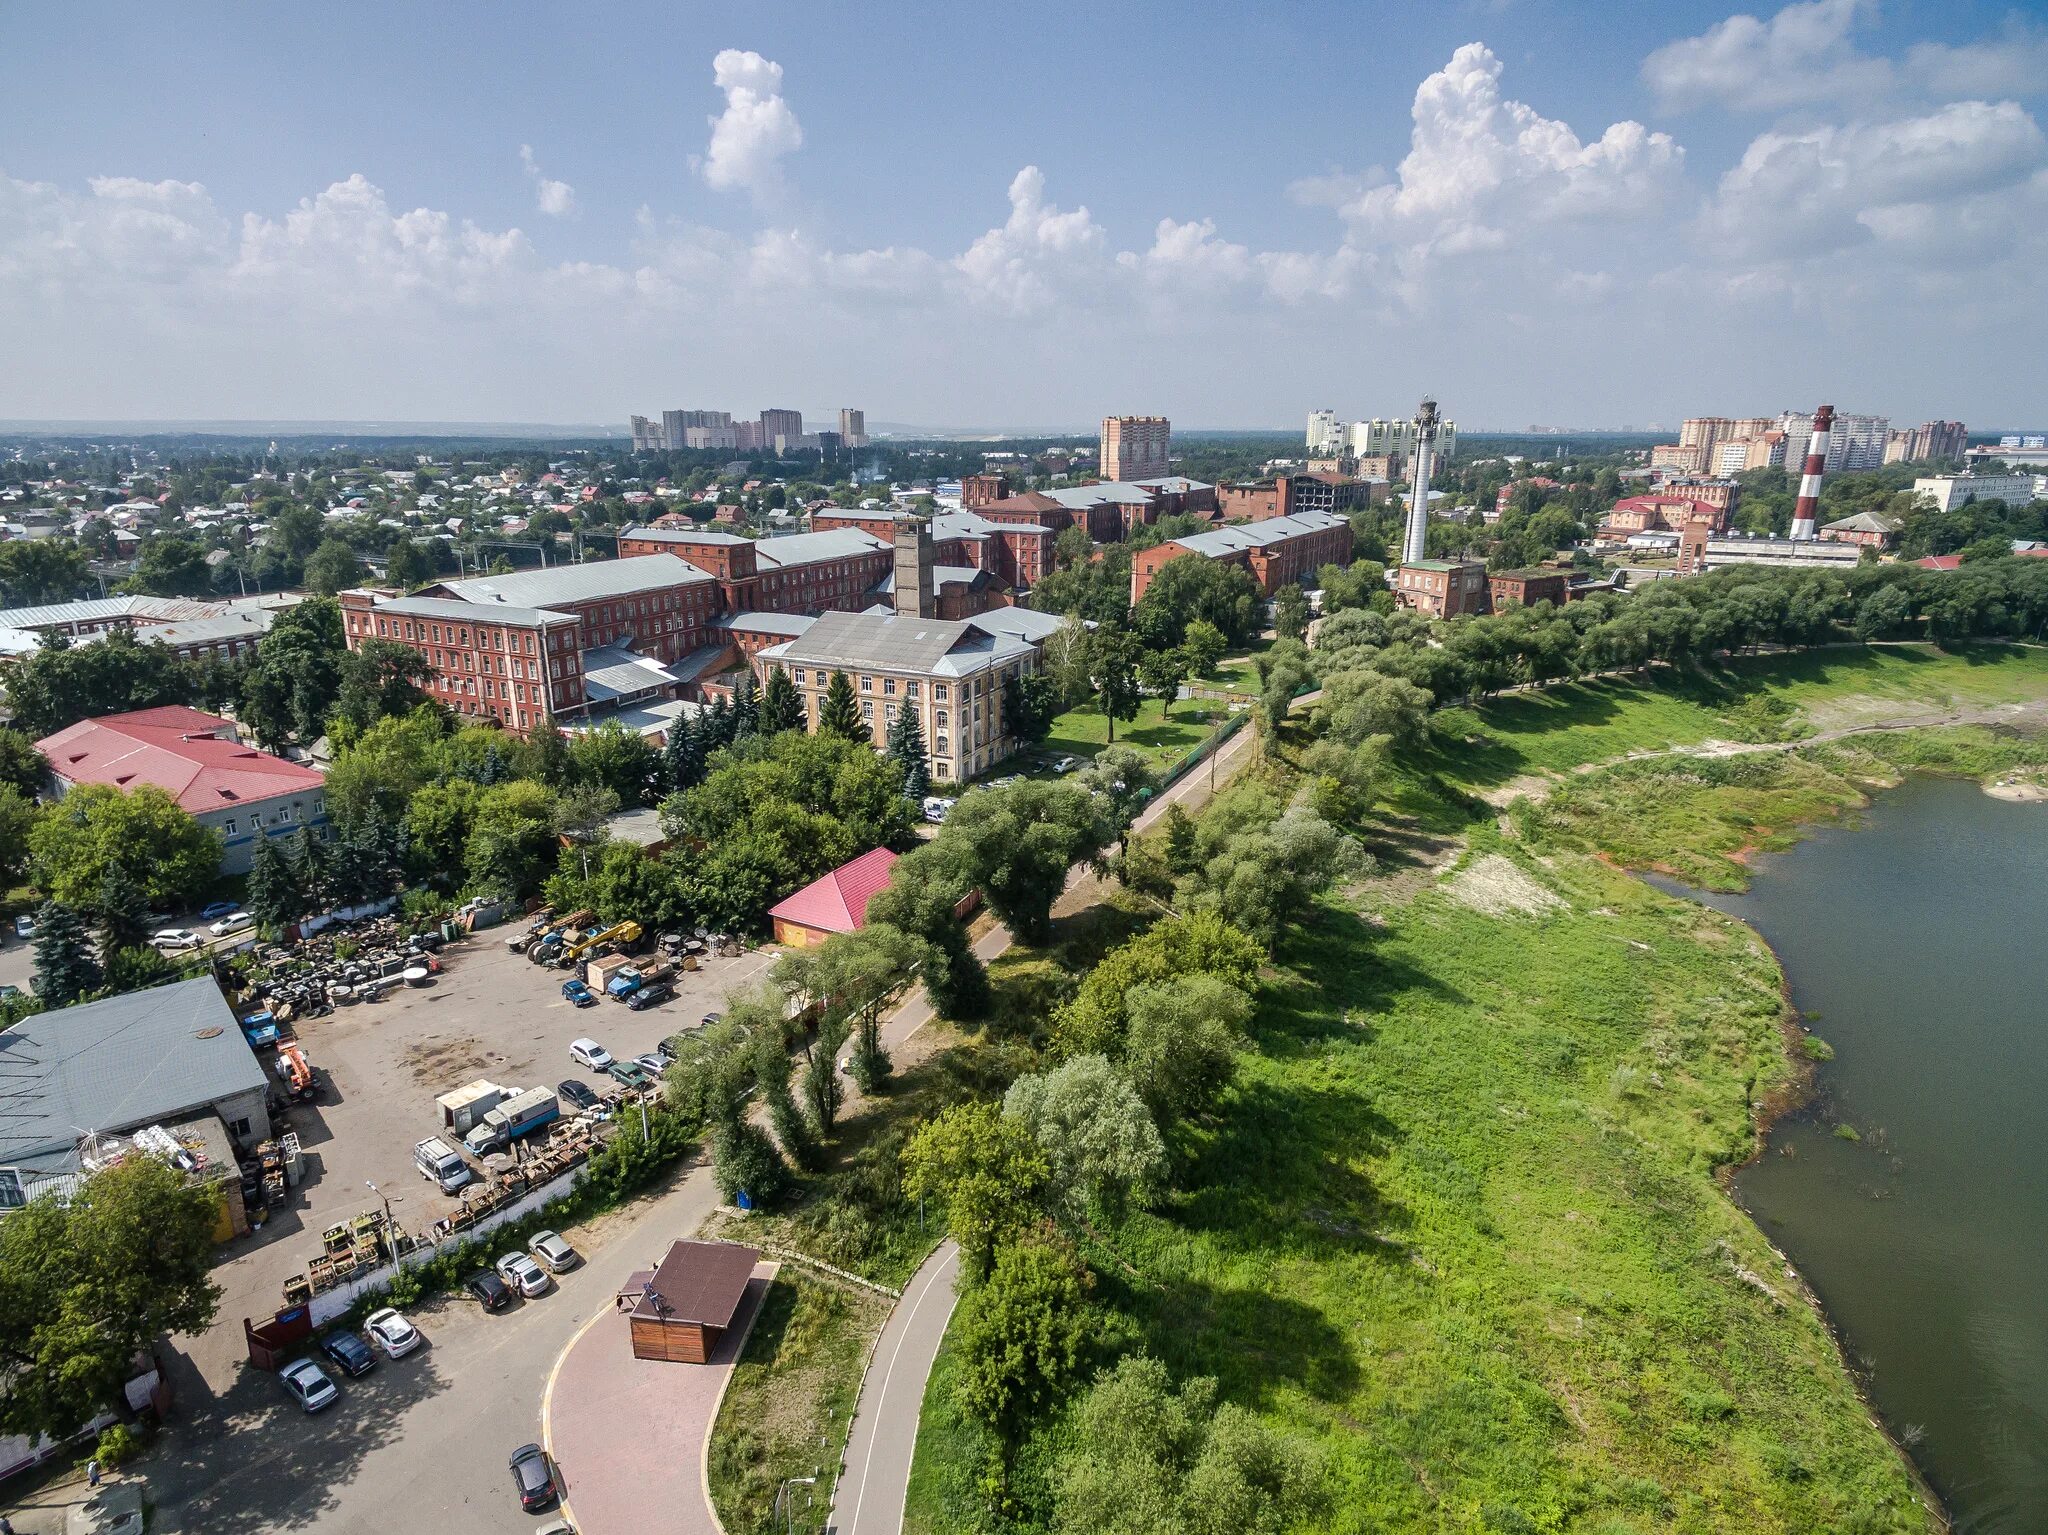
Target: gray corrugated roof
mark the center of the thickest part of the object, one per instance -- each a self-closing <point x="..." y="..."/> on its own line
<point x="1256" y="535"/>
<point x="684" y="535"/>
<point x="612" y="671"/>
<point x="468" y="612"/>
<point x="756" y="622"/>
<point x="117" y="1064"/>
<point x="1023" y="623"/>
<point x="97" y="609"/>
<point x="809" y="548"/>
<point x="890" y="642"/>
<point x="580" y="583"/>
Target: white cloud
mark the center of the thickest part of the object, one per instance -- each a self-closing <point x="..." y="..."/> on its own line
<point x="756" y="129"/>
<point x="1833" y="188"/>
<point x="2013" y="64"/>
<point x="1801" y="54"/>
<point x="557" y="199"/>
<point x="1482" y="170"/>
<point x="1024" y="263"/>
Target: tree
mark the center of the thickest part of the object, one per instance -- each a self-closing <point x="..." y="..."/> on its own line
<point x="122" y="911"/>
<point x="172" y="567"/>
<point x="907" y="750"/>
<point x="781" y="708"/>
<point x="550" y="753"/>
<point x="331" y="567"/>
<point x="22" y="767"/>
<point x="614" y="758"/>
<point x="922" y="899"/>
<point x="773" y="1075"/>
<point x="745" y="1164"/>
<point x="1205" y="646"/>
<point x="167" y="854"/>
<point x="682" y="756"/>
<point x="1096" y="1020"/>
<point x="746" y="706"/>
<point x="1122" y="780"/>
<point x="1357" y="705"/>
<point x="1188" y="588"/>
<point x="38" y="570"/>
<point x="91" y="1281"/>
<point x="1266" y="876"/>
<point x="66" y="970"/>
<point x="511" y="838"/>
<point x="1113" y="656"/>
<point x="1015" y="845"/>
<point x="297" y="674"/>
<point x="985" y="1169"/>
<point x="1097" y="1135"/>
<point x="380" y="679"/>
<point x="1181" y="1042"/>
<point x="60" y="683"/>
<point x="274" y="896"/>
<point x="1290" y="612"/>
<point x="310" y="866"/>
<point x="406" y="564"/>
<point x="1283" y="672"/>
<point x="17" y="817"/>
<point x="839" y="714"/>
<point x="1022" y="1335"/>
<point x="369" y="855"/>
<point x="1030" y="704"/>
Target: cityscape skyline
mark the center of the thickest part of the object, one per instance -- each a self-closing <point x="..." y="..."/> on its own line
<point x="1522" y="208"/>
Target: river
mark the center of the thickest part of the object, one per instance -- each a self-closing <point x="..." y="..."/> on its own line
<point x="1917" y="934"/>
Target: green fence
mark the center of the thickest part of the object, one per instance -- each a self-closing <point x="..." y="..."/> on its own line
<point x="1209" y="745"/>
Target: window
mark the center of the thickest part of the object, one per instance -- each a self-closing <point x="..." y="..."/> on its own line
<point x="939" y="691"/>
<point x="940" y="718"/>
<point x="228" y="826"/>
<point x="319" y="805"/>
<point x="239" y="1129"/>
<point x="889" y="687"/>
<point x="867" y="684"/>
<point x="867" y="709"/>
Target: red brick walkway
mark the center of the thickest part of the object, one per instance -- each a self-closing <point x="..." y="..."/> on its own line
<point x="630" y="1434"/>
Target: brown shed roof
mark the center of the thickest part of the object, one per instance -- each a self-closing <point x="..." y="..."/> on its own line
<point x="699" y="1282"/>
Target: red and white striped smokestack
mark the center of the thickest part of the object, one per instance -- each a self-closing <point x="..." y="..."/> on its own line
<point x="1808" y="507"/>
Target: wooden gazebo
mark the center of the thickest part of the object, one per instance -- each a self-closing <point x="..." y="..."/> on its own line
<point x="685" y="1305"/>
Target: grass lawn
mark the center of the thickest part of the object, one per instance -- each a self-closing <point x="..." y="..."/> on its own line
<point x="785" y="1411"/>
<point x="1162" y="737"/>
<point x="1558" y="729"/>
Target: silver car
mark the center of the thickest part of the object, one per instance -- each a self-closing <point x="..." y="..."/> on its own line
<point x="309" y="1385"/>
<point x="555" y="1254"/>
<point x="523" y="1274"/>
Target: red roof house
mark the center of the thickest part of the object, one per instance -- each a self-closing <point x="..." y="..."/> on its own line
<point x="832" y="903"/>
<point x="201" y="763"/>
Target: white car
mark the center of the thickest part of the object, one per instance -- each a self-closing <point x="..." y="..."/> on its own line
<point x="393" y="1333"/>
<point x="555" y="1254"/>
<point x="171" y="939"/>
<point x="309" y="1385"/>
<point x="523" y="1274"/>
<point x="588" y="1052"/>
<point x="233" y="922"/>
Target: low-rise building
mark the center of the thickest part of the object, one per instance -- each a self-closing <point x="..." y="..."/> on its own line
<point x="1525" y="588"/>
<point x="832" y="903"/>
<point x="1442" y="588"/>
<point x="199" y="760"/>
<point x="1873" y="530"/>
<point x="1276" y="551"/>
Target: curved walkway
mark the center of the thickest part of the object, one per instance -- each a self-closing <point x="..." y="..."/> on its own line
<point x="875" y="1480"/>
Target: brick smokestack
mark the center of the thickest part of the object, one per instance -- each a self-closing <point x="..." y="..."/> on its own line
<point x="1807" y="511"/>
<point x="914" y="594"/>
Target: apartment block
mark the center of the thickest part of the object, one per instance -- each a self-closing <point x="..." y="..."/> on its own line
<point x="853" y="427"/>
<point x="1134" y="447"/>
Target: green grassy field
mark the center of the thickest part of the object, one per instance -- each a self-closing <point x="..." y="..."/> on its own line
<point x="1164" y="738"/>
<point x="1559" y="729"/>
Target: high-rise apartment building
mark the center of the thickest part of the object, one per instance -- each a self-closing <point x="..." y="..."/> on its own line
<point x="853" y="427"/>
<point x="1855" y="443"/>
<point x="781" y="429"/>
<point x="1377" y="438"/>
<point x="1931" y="439"/>
<point x="1135" y="447"/>
<point x="1325" y="432"/>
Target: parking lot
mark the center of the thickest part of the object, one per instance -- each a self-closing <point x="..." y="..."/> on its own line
<point x="381" y="1065"/>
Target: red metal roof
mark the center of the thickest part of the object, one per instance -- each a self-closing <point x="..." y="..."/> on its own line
<point x="838" y="902"/>
<point x="179" y="751"/>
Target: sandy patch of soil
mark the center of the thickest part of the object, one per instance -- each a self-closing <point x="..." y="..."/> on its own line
<point x="1493" y="886"/>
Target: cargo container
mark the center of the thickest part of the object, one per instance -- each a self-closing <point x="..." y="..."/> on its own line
<point x="463" y="1108"/>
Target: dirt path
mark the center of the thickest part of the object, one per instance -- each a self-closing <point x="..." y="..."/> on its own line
<point x="2031" y="713"/>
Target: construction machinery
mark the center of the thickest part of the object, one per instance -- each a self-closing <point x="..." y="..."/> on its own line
<point x="295" y="1071"/>
<point x="545" y="945"/>
<point x="624" y="934"/>
<point x="545" y="924"/>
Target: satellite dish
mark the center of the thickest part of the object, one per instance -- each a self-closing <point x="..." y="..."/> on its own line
<point x="211" y="1033"/>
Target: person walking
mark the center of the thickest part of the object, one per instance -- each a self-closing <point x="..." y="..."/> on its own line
<point x="92" y="1472"/>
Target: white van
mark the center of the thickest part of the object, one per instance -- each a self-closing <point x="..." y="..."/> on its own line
<point x="438" y="1163"/>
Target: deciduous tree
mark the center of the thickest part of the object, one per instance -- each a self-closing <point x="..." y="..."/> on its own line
<point x="166" y="853"/>
<point x="1098" y="1137"/>
<point x="985" y="1169"/>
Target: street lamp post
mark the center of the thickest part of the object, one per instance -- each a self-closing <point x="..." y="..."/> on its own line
<point x="785" y="1500"/>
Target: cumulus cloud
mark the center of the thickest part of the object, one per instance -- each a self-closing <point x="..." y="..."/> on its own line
<point x="2015" y="63"/>
<point x="1832" y="188"/>
<point x="1482" y="169"/>
<point x="756" y="129"/>
<point x="1801" y="54"/>
<point x="1021" y="263"/>
<point x="557" y="199"/>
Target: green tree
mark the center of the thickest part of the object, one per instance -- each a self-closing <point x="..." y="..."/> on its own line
<point x="988" y="1173"/>
<point x="380" y="679"/>
<point x="1097" y="1135"/>
<point x="615" y="758"/>
<point x="297" y="675"/>
<point x="907" y="750"/>
<point x="170" y="856"/>
<point x="311" y="870"/>
<point x="17" y="819"/>
<point x="60" y="683"/>
<point x="407" y="565"/>
<point x="1015" y="845"/>
<point x="682" y="756"/>
<point x="40" y="570"/>
<point x="437" y="826"/>
<point x="91" y="1281"/>
<point x="1113" y="657"/>
<point x="1022" y="1334"/>
<point x="22" y="767"/>
<point x="122" y="911"/>
<point x="1163" y="672"/>
<point x="1030" y="705"/>
<point x="773" y="1075"/>
<point x="273" y="895"/>
<point x="1096" y="1020"/>
<point x="781" y="708"/>
<point x="1181" y="1043"/>
<point x="922" y="899"/>
<point x="511" y="839"/>
<point x="1266" y="876"/>
<point x="369" y="855"/>
<point x="1205" y="646"/>
<point x="332" y="567"/>
<point x="66" y="969"/>
<point x="172" y="567"/>
<point x="1290" y="612"/>
<point x="551" y="763"/>
<point x="839" y="714"/>
<point x="744" y="1162"/>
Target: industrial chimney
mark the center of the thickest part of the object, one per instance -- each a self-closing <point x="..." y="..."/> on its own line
<point x="1807" y="510"/>
<point x="915" y="596"/>
<point x="1416" y="541"/>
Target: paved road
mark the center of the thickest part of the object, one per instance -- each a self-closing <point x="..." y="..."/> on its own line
<point x="872" y="1488"/>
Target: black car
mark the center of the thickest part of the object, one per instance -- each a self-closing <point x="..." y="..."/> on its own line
<point x="533" y="1478"/>
<point x="578" y="1096"/>
<point x="350" y="1353"/>
<point x="650" y="996"/>
<point x="490" y="1290"/>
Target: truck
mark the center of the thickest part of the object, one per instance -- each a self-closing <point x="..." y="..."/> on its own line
<point x="532" y="1110"/>
<point x="439" y="1164"/>
<point x="629" y="979"/>
<point x="295" y="1071"/>
<point x="462" y="1109"/>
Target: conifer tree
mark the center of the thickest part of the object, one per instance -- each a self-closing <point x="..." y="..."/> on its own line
<point x="122" y="910"/>
<point x="273" y="897"/>
<point x="66" y="968"/>
<point x="682" y="759"/>
<point x="906" y="746"/>
<point x="746" y="706"/>
<point x="781" y="709"/>
<point x="839" y="715"/>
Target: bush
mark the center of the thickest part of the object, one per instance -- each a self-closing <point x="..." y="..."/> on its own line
<point x="118" y="1443"/>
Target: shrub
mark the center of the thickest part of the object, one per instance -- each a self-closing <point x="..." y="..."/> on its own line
<point x="118" y="1443"/>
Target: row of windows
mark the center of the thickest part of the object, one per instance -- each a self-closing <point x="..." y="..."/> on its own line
<point x="282" y="816"/>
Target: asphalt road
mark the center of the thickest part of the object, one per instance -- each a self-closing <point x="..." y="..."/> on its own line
<point x="873" y="1487"/>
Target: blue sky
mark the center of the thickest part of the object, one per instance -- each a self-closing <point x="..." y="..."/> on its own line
<point x="1022" y="217"/>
